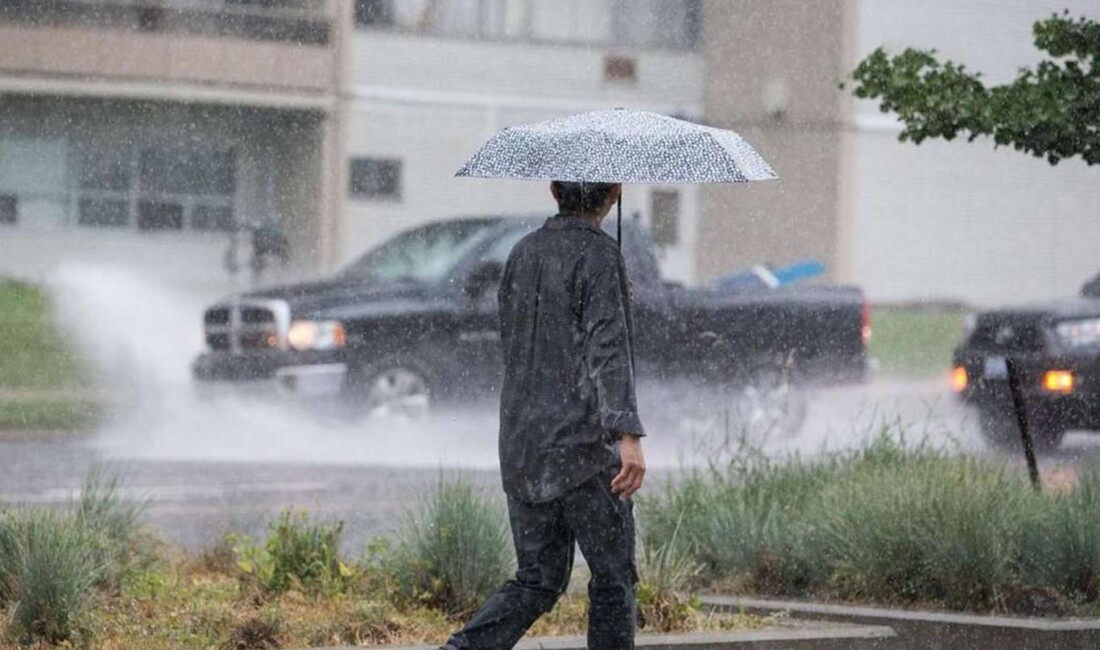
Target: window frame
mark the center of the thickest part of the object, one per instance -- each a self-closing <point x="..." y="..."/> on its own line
<point x="379" y="191"/>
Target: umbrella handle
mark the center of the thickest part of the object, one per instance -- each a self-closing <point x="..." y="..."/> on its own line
<point x="619" y="221"/>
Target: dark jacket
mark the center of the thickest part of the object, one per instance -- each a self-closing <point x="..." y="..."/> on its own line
<point x="566" y="332"/>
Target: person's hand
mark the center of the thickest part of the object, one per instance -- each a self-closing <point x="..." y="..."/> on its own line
<point x="630" y="478"/>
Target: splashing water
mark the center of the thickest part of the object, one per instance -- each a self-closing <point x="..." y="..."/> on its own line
<point x="142" y="335"/>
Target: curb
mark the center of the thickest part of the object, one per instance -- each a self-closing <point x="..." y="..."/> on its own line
<point x="804" y="637"/>
<point x="935" y="630"/>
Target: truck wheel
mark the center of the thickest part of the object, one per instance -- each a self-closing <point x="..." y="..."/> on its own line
<point x="769" y="402"/>
<point x="1001" y="430"/>
<point x="390" y="388"/>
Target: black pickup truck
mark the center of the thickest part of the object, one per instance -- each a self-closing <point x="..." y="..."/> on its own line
<point x="415" y="321"/>
<point x="1056" y="348"/>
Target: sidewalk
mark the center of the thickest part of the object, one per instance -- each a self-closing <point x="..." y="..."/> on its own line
<point x="799" y="636"/>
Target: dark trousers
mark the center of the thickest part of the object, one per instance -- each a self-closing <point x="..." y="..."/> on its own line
<point x="544" y="535"/>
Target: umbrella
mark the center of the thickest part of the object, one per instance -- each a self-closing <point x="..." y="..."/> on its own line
<point x="619" y="146"/>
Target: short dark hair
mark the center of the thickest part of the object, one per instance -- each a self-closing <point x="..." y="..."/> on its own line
<point x="581" y="198"/>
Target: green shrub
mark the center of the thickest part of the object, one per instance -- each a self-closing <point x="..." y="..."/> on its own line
<point x="10" y="558"/>
<point x="1063" y="545"/>
<point x="298" y="554"/>
<point x="53" y="570"/>
<point x="112" y="522"/>
<point x="888" y="523"/>
<point x="665" y="572"/>
<point x="454" y="550"/>
<point x="940" y="529"/>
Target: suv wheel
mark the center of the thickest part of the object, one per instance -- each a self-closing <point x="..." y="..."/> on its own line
<point x="769" y="402"/>
<point x="394" y="388"/>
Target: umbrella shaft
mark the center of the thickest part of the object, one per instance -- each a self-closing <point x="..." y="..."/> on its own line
<point x="619" y="225"/>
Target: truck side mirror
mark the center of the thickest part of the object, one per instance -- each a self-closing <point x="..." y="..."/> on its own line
<point x="483" y="278"/>
<point x="1091" y="288"/>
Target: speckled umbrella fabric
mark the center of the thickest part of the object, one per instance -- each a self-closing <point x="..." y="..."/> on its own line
<point x="619" y="146"/>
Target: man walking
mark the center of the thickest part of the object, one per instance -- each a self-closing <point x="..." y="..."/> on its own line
<point x="570" y="437"/>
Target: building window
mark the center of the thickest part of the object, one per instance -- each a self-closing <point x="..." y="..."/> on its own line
<point x="212" y="217"/>
<point x="108" y="213"/>
<point x="674" y="24"/>
<point x="9" y="209"/>
<point x="156" y="187"/>
<point x="374" y="13"/>
<point x="376" y="178"/>
<point x="664" y="213"/>
<point x="160" y="215"/>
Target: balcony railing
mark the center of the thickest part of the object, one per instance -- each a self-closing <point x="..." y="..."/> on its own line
<point x="299" y="21"/>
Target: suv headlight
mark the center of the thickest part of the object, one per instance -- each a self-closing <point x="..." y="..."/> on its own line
<point x="1079" y="333"/>
<point x="316" y="335"/>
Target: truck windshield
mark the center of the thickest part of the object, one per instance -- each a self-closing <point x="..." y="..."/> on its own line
<point x="427" y="254"/>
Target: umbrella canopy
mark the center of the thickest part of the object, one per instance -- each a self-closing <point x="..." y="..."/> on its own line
<point x="619" y="146"/>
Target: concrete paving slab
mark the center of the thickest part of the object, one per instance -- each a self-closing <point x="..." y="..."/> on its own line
<point x="928" y="630"/>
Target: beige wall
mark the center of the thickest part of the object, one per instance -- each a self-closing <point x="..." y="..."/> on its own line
<point x="121" y="55"/>
<point x="772" y="73"/>
<point x="277" y="100"/>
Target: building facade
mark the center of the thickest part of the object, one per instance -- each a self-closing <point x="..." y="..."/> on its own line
<point x="432" y="80"/>
<point x="157" y="134"/>
<point x="943" y="221"/>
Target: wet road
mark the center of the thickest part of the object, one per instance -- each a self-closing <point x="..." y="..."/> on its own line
<point x="211" y="468"/>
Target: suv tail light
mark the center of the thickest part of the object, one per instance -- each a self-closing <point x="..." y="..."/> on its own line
<point x="865" y="322"/>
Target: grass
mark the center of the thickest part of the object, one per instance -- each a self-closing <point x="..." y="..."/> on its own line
<point x="915" y="343"/>
<point x="889" y="524"/>
<point x="34" y="353"/>
<point x="454" y="550"/>
<point x="43" y="380"/>
<point x="52" y="561"/>
<point x="50" y="413"/>
<point x="86" y="577"/>
<point x="299" y="554"/>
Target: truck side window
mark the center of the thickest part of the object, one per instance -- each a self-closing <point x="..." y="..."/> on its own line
<point x="502" y="247"/>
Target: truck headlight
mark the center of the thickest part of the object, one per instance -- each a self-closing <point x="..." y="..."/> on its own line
<point x="1079" y="333"/>
<point x="316" y="335"/>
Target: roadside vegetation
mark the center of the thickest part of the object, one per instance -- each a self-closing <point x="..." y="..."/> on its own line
<point x="915" y="342"/>
<point x="44" y="383"/>
<point x="88" y="576"/>
<point x="890" y="524"/>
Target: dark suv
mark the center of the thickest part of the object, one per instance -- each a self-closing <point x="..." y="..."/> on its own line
<point x="1056" y="348"/>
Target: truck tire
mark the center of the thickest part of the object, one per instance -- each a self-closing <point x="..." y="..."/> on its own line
<point x="1001" y="430"/>
<point x="770" y="401"/>
<point x="394" y="386"/>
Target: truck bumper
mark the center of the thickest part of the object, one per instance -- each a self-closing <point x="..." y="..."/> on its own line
<point x="301" y="376"/>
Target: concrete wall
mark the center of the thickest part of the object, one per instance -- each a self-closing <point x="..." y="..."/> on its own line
<point x="772" y="69"/>
<point x="112" y="55"/>
<point x="431" y="102"/>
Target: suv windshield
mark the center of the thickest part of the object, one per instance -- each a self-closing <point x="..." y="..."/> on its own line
<point x="427" y="254"/>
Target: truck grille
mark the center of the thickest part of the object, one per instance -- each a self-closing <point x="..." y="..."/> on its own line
<point x="246" y="327"/>
<point x="1008" y="334"/>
